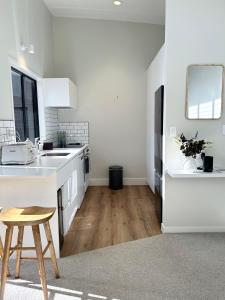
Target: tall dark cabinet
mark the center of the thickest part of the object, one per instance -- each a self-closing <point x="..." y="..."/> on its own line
<point x="159" y="101"/>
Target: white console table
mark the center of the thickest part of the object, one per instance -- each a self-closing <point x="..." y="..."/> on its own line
<point x="196" y="174"/>
<point x="194" y="201"/>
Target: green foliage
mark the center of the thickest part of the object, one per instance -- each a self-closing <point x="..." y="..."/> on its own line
<point x="193" y="146"/>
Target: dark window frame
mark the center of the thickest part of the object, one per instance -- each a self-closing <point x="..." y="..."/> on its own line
<point x="35" y="104"/>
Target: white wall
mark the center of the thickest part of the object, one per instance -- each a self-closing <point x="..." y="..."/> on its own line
<point x="197" y="40"/>
<point x="195" y="33"/>
<point x="155" y="78"/>
<point x="108" y="61"/>
<point x="30" y="22"/>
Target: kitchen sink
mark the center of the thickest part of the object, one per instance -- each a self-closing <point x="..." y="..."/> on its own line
<point x="56" y="154"/>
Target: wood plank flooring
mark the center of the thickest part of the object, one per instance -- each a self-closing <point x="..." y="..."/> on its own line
<point x="110" y="217"/>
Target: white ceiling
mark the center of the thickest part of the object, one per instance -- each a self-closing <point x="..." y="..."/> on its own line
<point x="144" y="11"/>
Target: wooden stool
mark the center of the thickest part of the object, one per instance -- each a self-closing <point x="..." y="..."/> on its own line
<point x="1" y="248"/>
<point x="1" y="245"/>
<point x="30" y="216"/>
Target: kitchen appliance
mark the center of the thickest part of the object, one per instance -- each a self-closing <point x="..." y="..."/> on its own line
<point x="21" y="153"/>
<point x="159" y="99"/>
<point x="86" y="167"/>
<point x="48" y="146"/>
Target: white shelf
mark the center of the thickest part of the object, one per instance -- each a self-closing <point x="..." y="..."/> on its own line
<point x="195" y="174"/>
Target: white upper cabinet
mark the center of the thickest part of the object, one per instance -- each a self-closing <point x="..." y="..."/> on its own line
<point x="60" y="93"/>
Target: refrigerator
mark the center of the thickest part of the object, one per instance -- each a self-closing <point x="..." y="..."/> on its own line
<point x="158" y="149"/>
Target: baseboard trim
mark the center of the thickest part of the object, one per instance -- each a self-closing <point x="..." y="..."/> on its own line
<point x="127" y="181"/>
<point x="190" y="229"/>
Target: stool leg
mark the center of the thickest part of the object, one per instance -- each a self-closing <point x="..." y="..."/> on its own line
<point x="1" y="248"/>
<point x="37" y="241"/>
<point x="1" y="254"/>
<point x="51" y="249"/>
<point x="5" y="259"/>
<point x="18" y="252"/>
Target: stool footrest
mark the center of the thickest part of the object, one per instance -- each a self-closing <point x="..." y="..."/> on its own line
<point x="17" y="248"/>
<point x="12" y="249"/>
<point x="35" y="258"/>
<point x="22" y="248"/>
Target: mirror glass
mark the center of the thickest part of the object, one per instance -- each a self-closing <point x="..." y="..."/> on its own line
<point x="204" y="92"/>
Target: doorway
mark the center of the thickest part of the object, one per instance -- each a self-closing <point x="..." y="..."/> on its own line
<point x="159" y="106"/>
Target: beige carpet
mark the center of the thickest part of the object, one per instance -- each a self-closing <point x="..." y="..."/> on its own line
<point x="185" y="267"/>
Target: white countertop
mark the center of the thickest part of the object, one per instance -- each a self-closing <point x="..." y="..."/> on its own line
<point x="55" y="162"/>
<point x="43" y="165"/>
<point x="24" y="172"/>
<point x="217" y="173"/>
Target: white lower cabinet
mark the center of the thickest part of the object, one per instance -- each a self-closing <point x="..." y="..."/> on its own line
<point x="73" y="191"/>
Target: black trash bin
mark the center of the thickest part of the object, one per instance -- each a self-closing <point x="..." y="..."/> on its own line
<point x="115" y="177"/>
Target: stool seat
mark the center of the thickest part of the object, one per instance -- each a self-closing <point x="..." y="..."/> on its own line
<point x="33" y="215"/>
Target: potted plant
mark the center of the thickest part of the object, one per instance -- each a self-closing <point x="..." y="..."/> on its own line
<point x="192" y="150"/>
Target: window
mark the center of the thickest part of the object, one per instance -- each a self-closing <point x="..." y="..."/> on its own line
<point x="25" y="106"/>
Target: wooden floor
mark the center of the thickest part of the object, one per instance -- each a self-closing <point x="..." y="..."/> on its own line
<point x="111" y="217"/>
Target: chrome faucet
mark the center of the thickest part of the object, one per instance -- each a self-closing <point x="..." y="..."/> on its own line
<point x="36" y="143"/>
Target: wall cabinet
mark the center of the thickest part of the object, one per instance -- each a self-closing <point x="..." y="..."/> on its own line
<point x="60" y="93"/>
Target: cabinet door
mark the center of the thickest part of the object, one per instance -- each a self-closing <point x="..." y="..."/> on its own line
<point x="80" y="179"/>
<point x="66" y="194"/>
<point x="68" y="215"/>
<point x="60" y="93"/>
<point x="75" y="183"/>
<point x="66" y="204"/>
<point x="73" y="97"/>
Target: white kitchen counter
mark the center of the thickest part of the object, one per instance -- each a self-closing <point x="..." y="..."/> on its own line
<point x="43" y="165"/>
<point x="37" y="184"/>
<point x="196" y="174"/>
<point x="8" y="172"/>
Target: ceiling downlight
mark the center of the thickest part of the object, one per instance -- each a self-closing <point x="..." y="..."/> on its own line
<point x="117" y="2"/>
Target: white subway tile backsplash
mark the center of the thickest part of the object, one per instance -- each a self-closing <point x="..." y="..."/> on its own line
<point x="7" y="124"/>
<point x="76" y="131"/>
<point x="52" y="125"/>
<point x="3" y="130"/>
<point x="7" y="132"/>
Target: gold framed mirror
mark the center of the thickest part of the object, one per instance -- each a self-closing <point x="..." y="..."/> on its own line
<point x="204" y="92"/>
